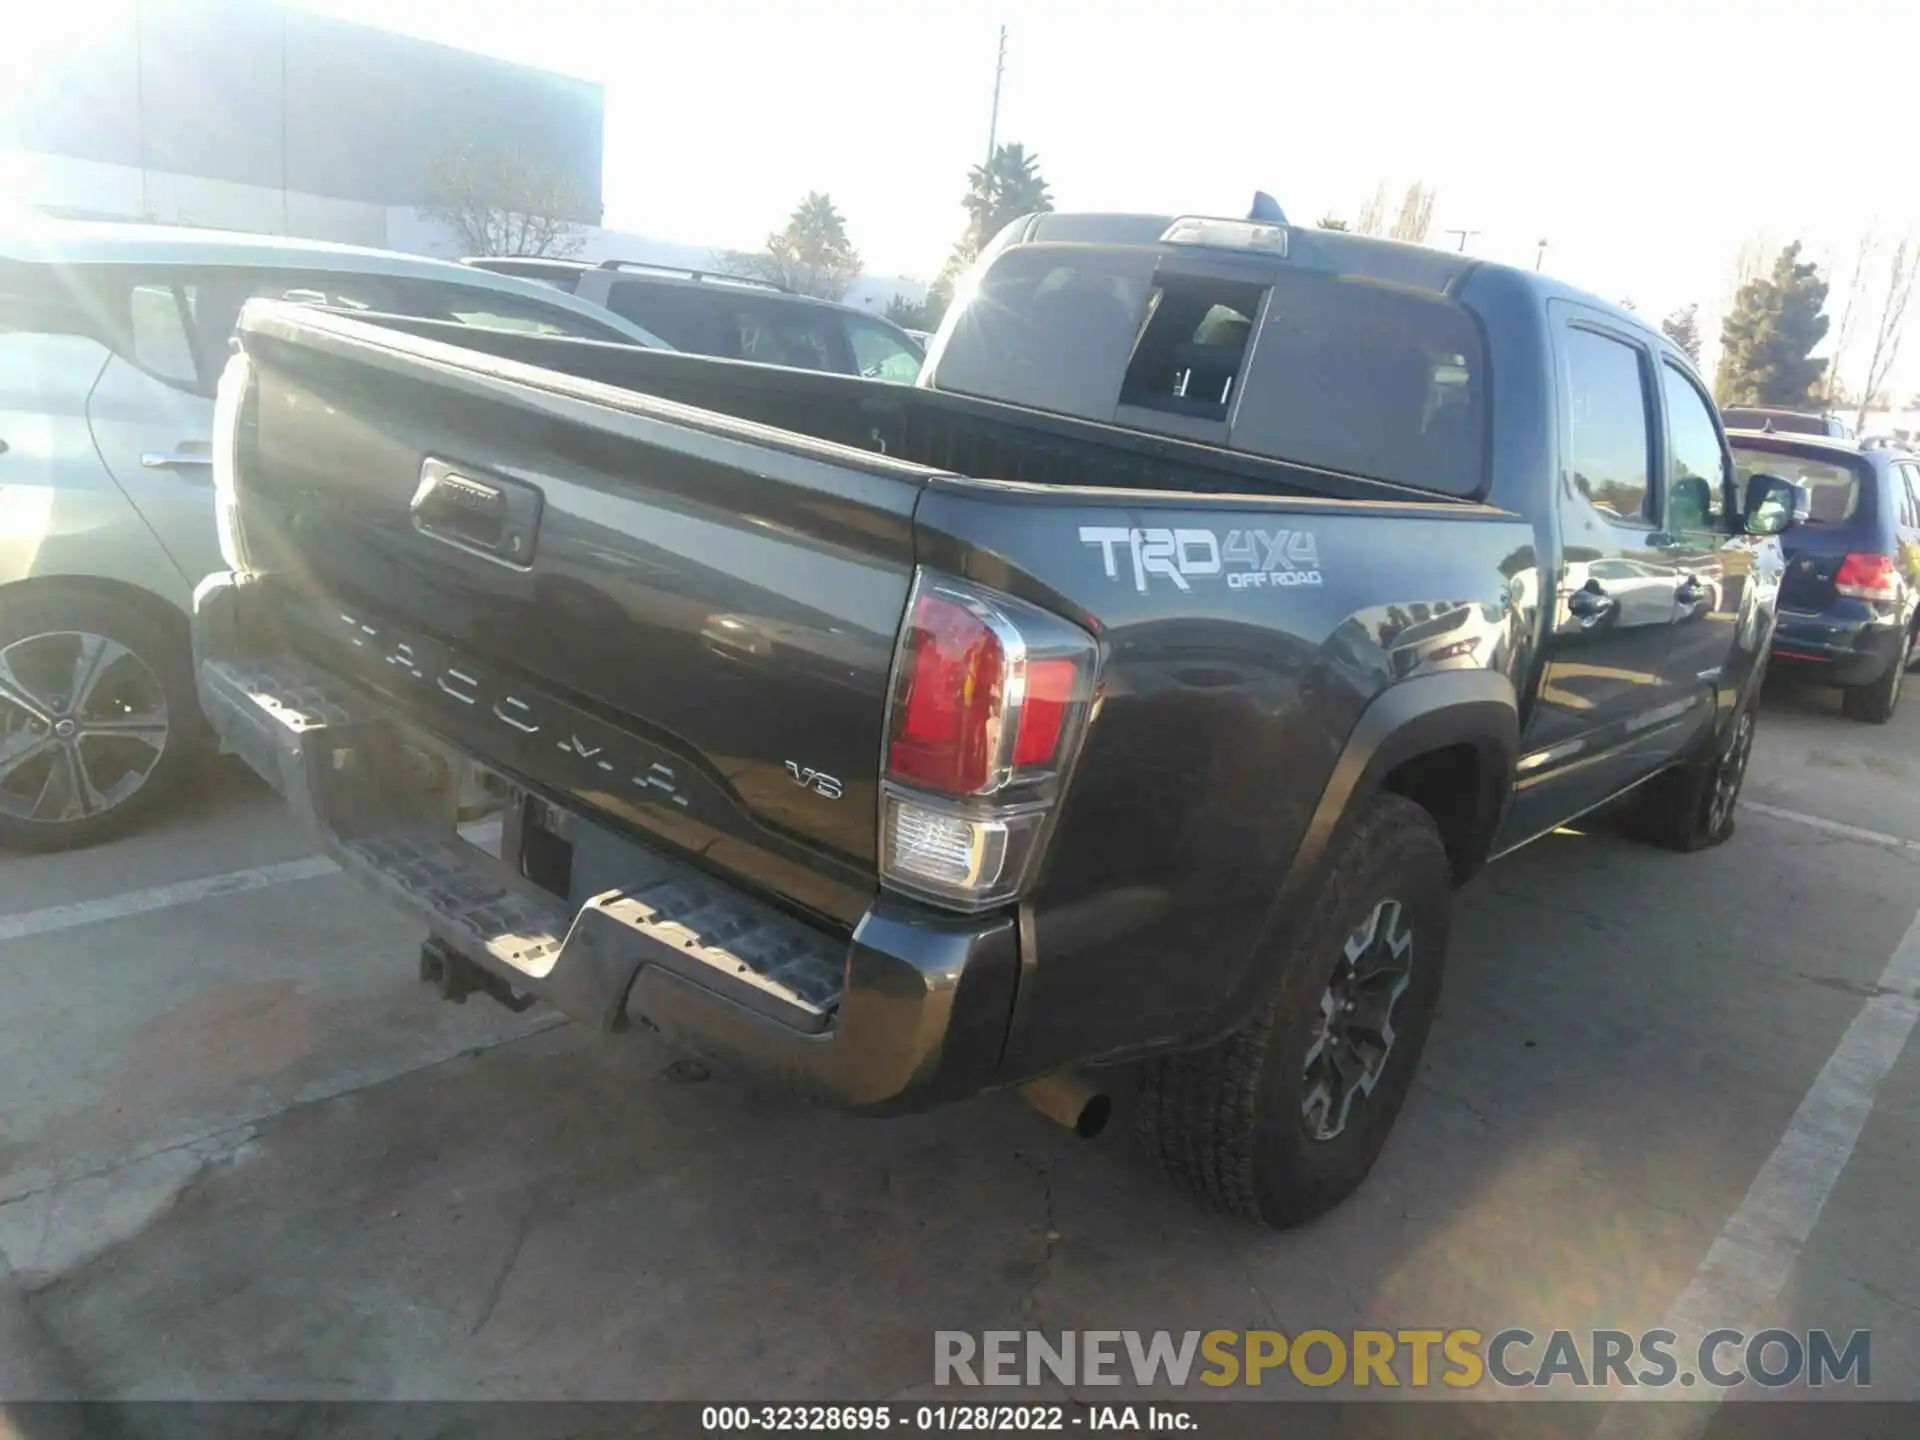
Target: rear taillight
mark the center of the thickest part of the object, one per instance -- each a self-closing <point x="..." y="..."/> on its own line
<point x="234" y="422"/>
<point x="990" y="697"/>
<point x="1866" y="577"/>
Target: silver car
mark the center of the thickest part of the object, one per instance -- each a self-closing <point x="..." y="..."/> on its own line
<point x="111" y="340"/>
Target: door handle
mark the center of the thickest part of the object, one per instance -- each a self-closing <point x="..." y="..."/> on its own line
<point x="1590" y="604"/>
<point x="176" y="459"/>
<point x="498" y="517"/>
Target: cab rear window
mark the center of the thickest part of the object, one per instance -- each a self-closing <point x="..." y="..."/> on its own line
<point x="1368" y="379"/>
<point x="1334" y="372"/>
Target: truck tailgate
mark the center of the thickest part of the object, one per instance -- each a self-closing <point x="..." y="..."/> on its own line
<point x="681" y="623"/>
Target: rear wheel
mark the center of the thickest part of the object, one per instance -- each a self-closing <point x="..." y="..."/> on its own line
<point x="1283" y="1119"/>
<point x="1876" y="703"/>
<point x="1692" y="808"/>
<point x="97" y="718"/>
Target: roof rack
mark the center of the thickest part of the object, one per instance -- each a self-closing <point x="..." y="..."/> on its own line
<point x="714" y="276"/>
<point x="507" y="264"/>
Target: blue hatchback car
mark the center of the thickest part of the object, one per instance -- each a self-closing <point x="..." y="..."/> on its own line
<point x="1850" y="597"/>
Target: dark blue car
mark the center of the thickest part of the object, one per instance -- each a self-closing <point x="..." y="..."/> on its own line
<point x="1849" y="597"/>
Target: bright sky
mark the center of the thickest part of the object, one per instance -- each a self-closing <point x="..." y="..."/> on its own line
<point x="1644" y="139"/>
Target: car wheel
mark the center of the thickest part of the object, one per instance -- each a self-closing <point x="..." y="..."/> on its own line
<point x="98" y="721"/>
<point x="1692" y="807"/>
<point x="1875" y="703"/>
<point x="1283" y="1119"/>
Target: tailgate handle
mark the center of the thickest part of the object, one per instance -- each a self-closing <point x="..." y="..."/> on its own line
<point x="491" y="516"/>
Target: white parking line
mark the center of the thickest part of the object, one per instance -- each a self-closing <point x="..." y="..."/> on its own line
<point x="1832" y="827"/>
<point x="1749" y="1261"/>
<point x="161" y="897"/>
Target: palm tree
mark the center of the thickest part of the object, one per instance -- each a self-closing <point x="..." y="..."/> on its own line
<point x="811" y="255"/>
<point x="1000" y="192"/>
<point x="818" y="219"/>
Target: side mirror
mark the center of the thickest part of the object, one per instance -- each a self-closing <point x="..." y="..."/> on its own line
<point x="1773" y="504"/>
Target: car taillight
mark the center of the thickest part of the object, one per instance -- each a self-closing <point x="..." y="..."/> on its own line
<point x="233" y="423"/>
<point x="1866" y="577"/>
<point x="990" y="697"/>
<point x="950" y="707"/>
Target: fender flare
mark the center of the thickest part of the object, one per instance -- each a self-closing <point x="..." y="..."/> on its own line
<point x="1470" y="707"/>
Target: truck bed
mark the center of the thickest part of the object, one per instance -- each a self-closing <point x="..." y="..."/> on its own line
<point x="960" y="434"/>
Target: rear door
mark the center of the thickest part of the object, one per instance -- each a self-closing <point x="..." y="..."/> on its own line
<point x="151" y="412"/>
<point x="1711" y="574"/>
<point x="1604" y="715"/>
<point x="60" y="511"/>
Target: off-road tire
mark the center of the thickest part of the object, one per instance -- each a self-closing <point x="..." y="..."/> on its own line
<point x="1692" y="807"/>
<point x="1227" y="1122"/>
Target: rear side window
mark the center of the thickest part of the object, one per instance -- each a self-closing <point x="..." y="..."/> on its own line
<point x="1608" y="435"/>
<point x="685" y="316"/>
<point x="159" y="329"/>
<point x="1833" y="486"/>
<point x="1368" y="379"/>
<point x="33" y="301"/>
<point x="491" y="310"/>
<point x="49" y="348"/>
<point x="1697" y="472"/>
<point x="143" y="317"/>
<point x="774" y="332"/>
<point x="880" y="352"/>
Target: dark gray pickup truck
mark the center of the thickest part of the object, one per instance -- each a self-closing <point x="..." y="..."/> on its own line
<point x="1138" y="687"/>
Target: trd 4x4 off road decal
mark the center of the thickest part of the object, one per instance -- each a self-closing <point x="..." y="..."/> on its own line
<point x="1247" y="559"/>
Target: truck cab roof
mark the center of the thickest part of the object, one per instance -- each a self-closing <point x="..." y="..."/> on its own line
<point x="1419" y="267"/>
<point x="1344" y="353"/>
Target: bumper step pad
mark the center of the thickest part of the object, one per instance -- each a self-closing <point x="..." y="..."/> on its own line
<point x="288" y="720"/>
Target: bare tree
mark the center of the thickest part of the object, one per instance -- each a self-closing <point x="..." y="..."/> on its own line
<point x="1752" y="261"/>
<point x="1890" y="327"/>
<point x="506" y="202"/>
<point x="1850" y="310"/>
<point x="1682" y="326"/>
<point x="1373" y="213"/>
<point x="1416" y="213"/>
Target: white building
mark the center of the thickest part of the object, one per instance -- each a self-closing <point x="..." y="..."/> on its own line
<point x="237" y="115"/>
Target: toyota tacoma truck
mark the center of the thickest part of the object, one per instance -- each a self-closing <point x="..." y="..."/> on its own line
<point x="1138" y="687"/>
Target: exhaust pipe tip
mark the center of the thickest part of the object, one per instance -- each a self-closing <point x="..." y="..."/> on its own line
<point x="1069" y="1101"/>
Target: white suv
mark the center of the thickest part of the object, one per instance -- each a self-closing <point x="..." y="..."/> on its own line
<point x="111" y="340"/>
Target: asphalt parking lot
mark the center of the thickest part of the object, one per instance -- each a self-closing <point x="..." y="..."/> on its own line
<point x="245" y="1154"/>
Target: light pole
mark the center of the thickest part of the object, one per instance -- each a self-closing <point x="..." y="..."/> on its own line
<point x="1463" y="234"/>
<point x="993" y="123"/>
<point x="1540" y="255"/>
